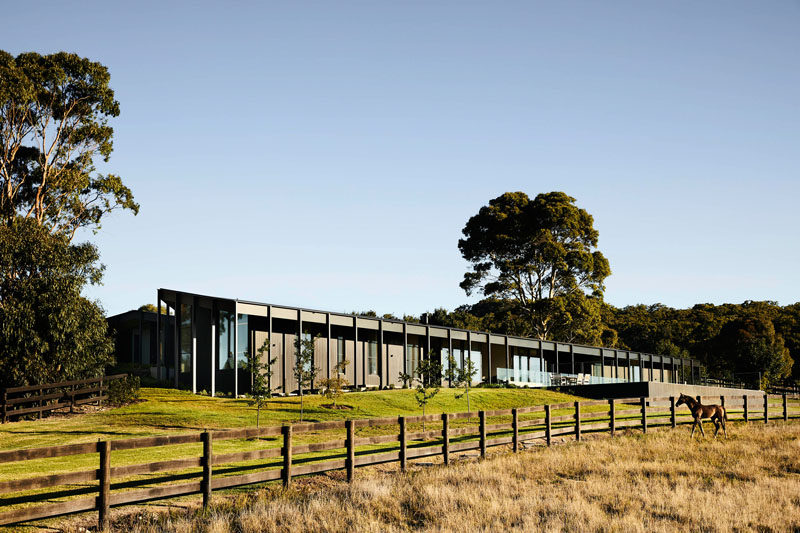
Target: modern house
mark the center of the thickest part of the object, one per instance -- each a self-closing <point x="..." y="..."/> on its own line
<point x="207" y="349"/>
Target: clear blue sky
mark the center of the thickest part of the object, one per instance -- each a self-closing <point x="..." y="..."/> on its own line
<point x="327" y="154"/>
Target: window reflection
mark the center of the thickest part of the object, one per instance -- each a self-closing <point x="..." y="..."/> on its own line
<point x="225" y="340"/>
<point x="186" y="338"/>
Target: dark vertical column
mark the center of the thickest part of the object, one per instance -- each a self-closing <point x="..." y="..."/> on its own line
<point x="468" y="357"/>
<point x="691" y="369"/>
<point x="355" y="352"/>
<point x="542" y="364"/>
<point x="299" y="339"/>
<point x="672" y="417"/>
<point x="207" y="462"/>
<point x="602" y="363"/>
<point x="403" y="458"/>
<point x="572" y="357"/>
<point x="515" y="428"/>
<point x="644" y="414"/>
<point x="159" y="339"/>
<point x="405" y="348"/>
<point x="450" y="349"/>
<point x="508" y="354"/>
<point x="427" y="342"/>
<point x="141" y="339"/>
<point x="766" y="408"/>
<point x="328" y="345"/>
<point x="194" y="344"/>
<point x="548" y="429"/>
<point x="612" y="424"/>
<point x="104" y="499"/>
<point x="555" y="349"/>
<point x="177" y="328"/>
<point x="662" y="367"/>
<point x="616" y="364"/>
<point x="287" y="455"/>
<point x="382" y="365"/>
<point x="482" y="419"/>
<point x="351" y="449"/>
<point x="446" y="438"/>
<point x="577" y="420"/>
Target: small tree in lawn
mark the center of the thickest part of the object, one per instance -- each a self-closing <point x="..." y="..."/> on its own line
<point x="335" y="386"/>
<point x="260" y="366"/>
<point x="406" y="378"/>
<point x="304" y="369"/>
<point x="428" y="376"/>
<point x="460" y="376"/>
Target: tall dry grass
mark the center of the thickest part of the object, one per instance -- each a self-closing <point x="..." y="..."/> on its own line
<point x="658" y="482"/>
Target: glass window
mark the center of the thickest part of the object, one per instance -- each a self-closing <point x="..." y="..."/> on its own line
<point x="372" y="357"/>
<point x="225" y="335"/>
<point x="477" y="363"/>
<point x="186" y="338"/>
<point x="412" y="358"/>
<point x="340" y="352"/>
<point x="243" y="340"/>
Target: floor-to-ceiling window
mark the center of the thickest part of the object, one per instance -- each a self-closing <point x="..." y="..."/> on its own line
<point x="186" y="338"/>
<point x="412" y="358"/>
<point x="225" y="334"/>
<point x="372" y="357"/>
<point x="340" y="350"/>
<point x="243" y="340"/>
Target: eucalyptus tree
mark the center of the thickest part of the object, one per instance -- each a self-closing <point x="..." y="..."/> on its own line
<point x="539" y="253"/>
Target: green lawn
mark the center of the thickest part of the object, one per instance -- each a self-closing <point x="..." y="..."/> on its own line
<point x="165" y="411"/>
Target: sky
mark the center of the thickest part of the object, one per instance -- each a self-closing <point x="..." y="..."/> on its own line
<point x="328" y="154"/>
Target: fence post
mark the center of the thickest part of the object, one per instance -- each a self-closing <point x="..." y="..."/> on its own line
<point x="785" y="408"/>
<point x="482" y="417"/>
<point x="515" y="427"/>
<point x="644" y="414"/>
<point x="287" y="455"/>
<point x="351" y="449"/>
<point x="766" y="409"/>
<point x="41" y="402"/>
<point x="673" y="420"/>
<point x="5" y="406"/>
<point x="578" y="421"/>
<point x="746" y="415"/>
<point x="100" y="395"/>
<point x="446" y="438"/>
<point x="403" y="459"/>
<point x="612" y="414"/>
<point x="547" y="426"/>
<point x="207" y="462"/>
<point x="104" y="499"/>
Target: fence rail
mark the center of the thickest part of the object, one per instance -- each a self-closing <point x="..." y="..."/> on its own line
<point x="29" y="399"/>
<point x="201" y="474"/>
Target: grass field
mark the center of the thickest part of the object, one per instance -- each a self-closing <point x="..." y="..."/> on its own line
<point x="661" y="481"/>
<point x="165" y="411"/>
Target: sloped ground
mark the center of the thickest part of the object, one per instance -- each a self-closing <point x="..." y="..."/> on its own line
<point x="658" y="482"/>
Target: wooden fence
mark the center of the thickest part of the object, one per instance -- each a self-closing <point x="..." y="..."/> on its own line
<point x="18" y="401"/>
<point x="398" y="441"/>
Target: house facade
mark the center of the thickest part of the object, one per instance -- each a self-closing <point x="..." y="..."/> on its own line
<point x="208" y="347"/>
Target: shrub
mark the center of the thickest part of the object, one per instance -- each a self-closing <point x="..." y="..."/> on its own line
<point x="123" y="391"/>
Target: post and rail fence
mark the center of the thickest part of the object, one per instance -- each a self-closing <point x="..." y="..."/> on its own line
<point x="39" y="399"/>
<point x="203" y="467"/>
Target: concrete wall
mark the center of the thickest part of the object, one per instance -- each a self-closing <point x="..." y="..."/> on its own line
<point x="655" y="389"/>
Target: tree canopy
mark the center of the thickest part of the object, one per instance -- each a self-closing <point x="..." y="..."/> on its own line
<point x="540" y="255"/>
<point x="54" y="112"/>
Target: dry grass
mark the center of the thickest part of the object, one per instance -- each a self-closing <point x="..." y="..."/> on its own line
<point x="658" y="482"/>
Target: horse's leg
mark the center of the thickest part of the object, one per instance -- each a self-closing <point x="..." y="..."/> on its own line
<point x="716" y="426"/>
<point x="702" y="431"/>
<point x="724" y="426"/>
<point x="694" y="426"/>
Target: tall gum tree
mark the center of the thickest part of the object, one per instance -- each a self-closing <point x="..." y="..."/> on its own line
<point x="54" y="112"/>
<point x="540" y="254"/>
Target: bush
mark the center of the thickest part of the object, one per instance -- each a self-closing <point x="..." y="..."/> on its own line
<point x="124" y="391"/>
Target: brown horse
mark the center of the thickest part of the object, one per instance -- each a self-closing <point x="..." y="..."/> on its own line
<point x="716" y="413"/>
